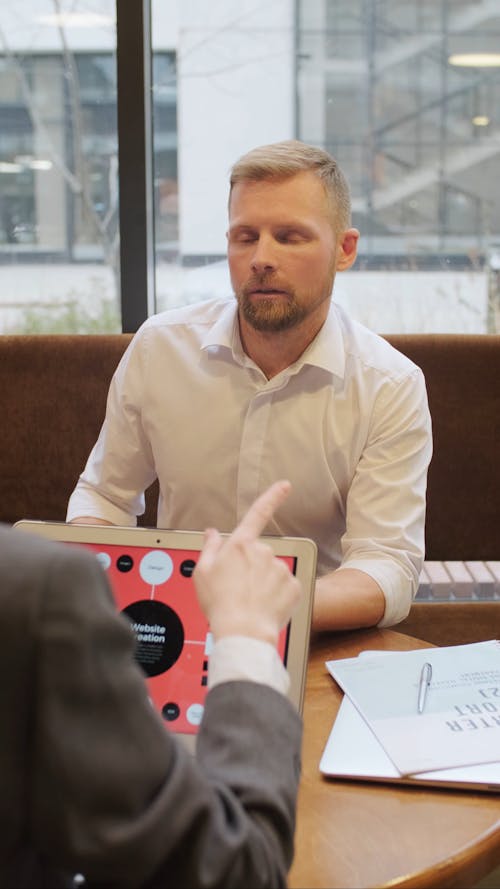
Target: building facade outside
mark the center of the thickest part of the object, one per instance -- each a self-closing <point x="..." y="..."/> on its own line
<point x="374" y="81"/>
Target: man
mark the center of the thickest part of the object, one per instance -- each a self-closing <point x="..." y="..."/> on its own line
<point x="220" y="398"/>
<point x="92" y="782"/>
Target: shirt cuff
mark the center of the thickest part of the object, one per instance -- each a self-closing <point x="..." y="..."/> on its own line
<point x="395" y="583"/>
<point x="92" y="504"/>
<point x="245" y="658"/>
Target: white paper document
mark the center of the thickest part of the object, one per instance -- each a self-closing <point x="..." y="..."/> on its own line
<point x="460" y="722"/>
<point x="353" y="752"/>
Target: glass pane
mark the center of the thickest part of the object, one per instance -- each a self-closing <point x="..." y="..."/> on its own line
<point x="418" y="137"/>
<point x="371" y="81"/>
<point x="58" y="167"/>
<point x="223" y="83"/>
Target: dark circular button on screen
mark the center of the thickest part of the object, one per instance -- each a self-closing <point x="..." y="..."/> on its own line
<point x="159" y="635"/>
<point x="125" y="563"/>
<point x="187" y="567"/>
<point x="170" y="711"/>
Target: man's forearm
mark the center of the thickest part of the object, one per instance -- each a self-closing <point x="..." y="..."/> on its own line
<point x="346" y="599"/>
<point x="88" y="520"/>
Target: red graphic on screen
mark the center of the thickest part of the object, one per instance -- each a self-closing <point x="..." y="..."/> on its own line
<point x="153" y="588"/>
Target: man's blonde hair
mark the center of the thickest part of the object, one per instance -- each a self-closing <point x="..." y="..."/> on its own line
<point x="280" y="160"/>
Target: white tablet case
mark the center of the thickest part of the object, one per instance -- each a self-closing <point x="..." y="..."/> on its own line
<point x="150" y="573"/>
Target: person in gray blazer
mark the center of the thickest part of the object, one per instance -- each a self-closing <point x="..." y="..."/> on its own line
<point x="95" y="790"/>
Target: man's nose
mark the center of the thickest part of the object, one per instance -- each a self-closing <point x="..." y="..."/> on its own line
<point x="264" y="255"/>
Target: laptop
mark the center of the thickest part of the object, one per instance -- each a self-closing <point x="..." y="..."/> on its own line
<point x="150" y="574"/>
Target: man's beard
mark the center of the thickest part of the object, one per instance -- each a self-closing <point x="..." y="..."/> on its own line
<point x="271" y="314"/>
<point x="274" y="313"/>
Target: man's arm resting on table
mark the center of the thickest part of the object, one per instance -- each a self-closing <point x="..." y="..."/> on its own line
<point x="88" y="520"/>
<point x="347" y="599"/>
<point x="343" y="600"/>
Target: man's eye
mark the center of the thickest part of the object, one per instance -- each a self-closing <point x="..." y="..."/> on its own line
<point x="290" y="237"/>
<point x="244" y="238"/>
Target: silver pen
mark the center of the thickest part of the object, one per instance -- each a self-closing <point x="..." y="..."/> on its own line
<point x="423" y="685"/>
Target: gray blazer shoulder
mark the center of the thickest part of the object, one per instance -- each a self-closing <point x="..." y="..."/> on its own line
<point x="93" y="782"/>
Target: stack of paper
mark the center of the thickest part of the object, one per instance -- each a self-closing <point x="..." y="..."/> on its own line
<point x="380" y="735"/>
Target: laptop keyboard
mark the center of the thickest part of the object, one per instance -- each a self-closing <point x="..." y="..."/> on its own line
<point x="460" y="581"/>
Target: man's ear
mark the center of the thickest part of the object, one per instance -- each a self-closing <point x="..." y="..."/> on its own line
<point x="347" y="249"/>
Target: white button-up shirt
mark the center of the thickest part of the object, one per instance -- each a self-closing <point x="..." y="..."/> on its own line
<point x="348" y="423"/>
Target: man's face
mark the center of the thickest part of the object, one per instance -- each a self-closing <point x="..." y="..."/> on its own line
<point x="282" y="251"/>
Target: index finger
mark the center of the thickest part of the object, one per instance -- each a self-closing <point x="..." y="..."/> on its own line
<point x="261" y="511"/>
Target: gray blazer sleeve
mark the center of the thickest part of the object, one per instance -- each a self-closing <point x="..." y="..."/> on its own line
<point x="107" y="791"/>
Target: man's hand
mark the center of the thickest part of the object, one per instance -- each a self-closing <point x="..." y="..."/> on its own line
<point x="243" y="588"/>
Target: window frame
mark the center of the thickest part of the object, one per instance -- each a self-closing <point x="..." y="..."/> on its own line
<point x="135" y="162"/>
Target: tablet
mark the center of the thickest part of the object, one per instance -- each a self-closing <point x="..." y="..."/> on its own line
<point x="150" y="574"/>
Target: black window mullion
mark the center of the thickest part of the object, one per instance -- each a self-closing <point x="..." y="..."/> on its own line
<point x="135" y="156"/>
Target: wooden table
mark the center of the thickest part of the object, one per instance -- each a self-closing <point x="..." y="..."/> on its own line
<point x="358" y="834"/>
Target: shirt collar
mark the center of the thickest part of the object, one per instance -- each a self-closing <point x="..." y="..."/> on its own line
<point x="225" y="334"/>
<point x="221" y="333"/>
<point x="326" y="350"/>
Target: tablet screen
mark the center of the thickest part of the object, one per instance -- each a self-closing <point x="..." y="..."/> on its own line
<point x="150" y="573"/>
<point x="154" y="589"/>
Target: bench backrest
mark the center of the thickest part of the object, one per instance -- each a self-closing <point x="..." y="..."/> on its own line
<point x="54" y="393"/>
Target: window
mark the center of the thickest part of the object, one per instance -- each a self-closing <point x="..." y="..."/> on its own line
<point x="382" y="84"/>
<point x="58" y="168"/>
<point x="234" y="89"/>
<point x="418" y="136"/>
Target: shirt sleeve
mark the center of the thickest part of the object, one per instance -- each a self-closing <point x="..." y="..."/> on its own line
<point x="120" y="466"/>
<point x="385" y="527"/>
<point x="244" y="658"/>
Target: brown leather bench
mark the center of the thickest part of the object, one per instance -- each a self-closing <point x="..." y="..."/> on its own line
<point x="54" y="392"/>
